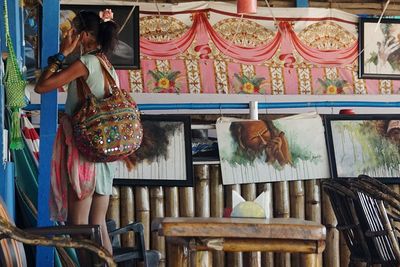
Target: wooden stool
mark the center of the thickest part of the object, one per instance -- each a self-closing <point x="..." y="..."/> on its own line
<point x="241" y="234"/>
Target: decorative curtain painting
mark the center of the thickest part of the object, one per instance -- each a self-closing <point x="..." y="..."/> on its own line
<point x="289" y="148"/>
<point x="205" y="47"/>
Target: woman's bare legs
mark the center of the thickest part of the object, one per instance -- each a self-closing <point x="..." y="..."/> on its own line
<point x="78" y="214"/>
<point x="97" y="216"/>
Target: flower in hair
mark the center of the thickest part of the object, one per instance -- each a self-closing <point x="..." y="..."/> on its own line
<point x="106" y="15"/>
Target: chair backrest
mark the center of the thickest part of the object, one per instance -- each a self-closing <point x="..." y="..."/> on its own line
<point x="12" y="253"/>
<point x="11" y="239"/>
<point x="121" y="254"/>
<point x="374" y="205"/>
<point x="348" y="222"/>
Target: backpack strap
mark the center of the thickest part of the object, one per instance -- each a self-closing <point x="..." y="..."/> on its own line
<point x="110" y="79"/>
<point x="84" y="90"/>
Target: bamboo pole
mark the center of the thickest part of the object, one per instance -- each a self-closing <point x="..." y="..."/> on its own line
<point x="217" y="206"/>
<point x="202" y="177"/>
<point x="171" y="210"/>
<point x="282" y="210"/>
<point x="297" y="203"/>
<point x="331" y="253"/>
<point x="233" y="259"/>
<point x="216" y="192"/>
<point x="313" y="204"/>
<point x="127" y="214"/>
<point x="267" y="258"/>
<point x="249" y="193"/>
<point x="202" y="187"/>
<point x="171" y="201"/>
<point x="186" y="203"/>
<point x="186" y="209"/>
<point x="143" y="211"/>
<point x="156" y="211"/>
<point x="113" y="206"/>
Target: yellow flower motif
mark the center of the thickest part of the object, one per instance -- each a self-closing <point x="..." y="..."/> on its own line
<point x="163" y="83"/>
<point x="248" y="88"/>
<point x="331" y="90"/>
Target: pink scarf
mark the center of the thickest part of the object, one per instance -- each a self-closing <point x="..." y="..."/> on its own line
<point x="68" y="169"/>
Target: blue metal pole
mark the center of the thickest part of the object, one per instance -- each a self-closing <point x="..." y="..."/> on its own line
<point x="48" y="124"/>
<point x="2" y="32"/>
<point x="301" y="3"/>
<point x="7" y="171"/>
<point x="263" y="105"/>
<point x="9" y="190"/>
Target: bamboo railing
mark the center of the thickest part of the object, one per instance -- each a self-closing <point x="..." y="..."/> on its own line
<point x="208" y="197"/>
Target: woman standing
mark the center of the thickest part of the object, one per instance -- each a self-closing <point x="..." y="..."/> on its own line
<point x="80" y="189"/>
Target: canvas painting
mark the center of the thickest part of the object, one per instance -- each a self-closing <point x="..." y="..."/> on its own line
<point x="379" y="47"/>
<point x="164" y="157"/>
<point x="289" y="148"/>
<point x="126" y="54"/>
<point x="365" y="144"/>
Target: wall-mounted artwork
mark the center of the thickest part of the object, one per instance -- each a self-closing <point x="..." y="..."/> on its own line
<point x="31" y="12"/>
<point x="126" y="54"/>
<point x="379" y="47"/>
<point x="364" y="144"/>
<point x="288" y="148"/>
<point x="165" y="155"/>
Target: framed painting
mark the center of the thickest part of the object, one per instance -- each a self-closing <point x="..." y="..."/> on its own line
<point x="271" y="150"/>
<point x="379" y="46"/>
<point x="126" y="54"/>
<point x="364" y="144"/>
<point x="32" y="12"/>
<point x="165" y="155"/>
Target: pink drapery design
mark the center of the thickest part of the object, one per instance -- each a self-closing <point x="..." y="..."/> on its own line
<point x="245" y="55"/>
<point x="326" y="57"/>
<point x="286" y="39"/>
<point x="169" y="49"/>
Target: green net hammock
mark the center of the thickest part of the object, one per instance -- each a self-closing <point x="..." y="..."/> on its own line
<point x="14" y="85"/>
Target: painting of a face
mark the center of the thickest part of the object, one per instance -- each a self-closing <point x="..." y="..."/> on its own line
<point x="272" y="150"/>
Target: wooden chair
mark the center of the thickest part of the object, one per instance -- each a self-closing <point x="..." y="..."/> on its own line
<point x="11" y="239"/>
<point x="381" y="208"/>
<point x="344" y="203"/>
<point x="128" y="256"/>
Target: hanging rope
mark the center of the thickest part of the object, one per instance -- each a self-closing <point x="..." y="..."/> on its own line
<point x="14" y="84"/>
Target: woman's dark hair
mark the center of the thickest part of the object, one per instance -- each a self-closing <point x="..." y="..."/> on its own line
<point x="106" y="33"/>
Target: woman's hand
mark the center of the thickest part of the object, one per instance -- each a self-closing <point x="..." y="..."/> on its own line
<point x="69" y="43"/>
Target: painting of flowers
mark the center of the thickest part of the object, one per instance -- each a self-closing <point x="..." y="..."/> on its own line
<point x="164" y="82"/>
<point x="245" y="84"/>
<point x="335" y="86"/>
<point x="268" y="150"/>
<point x="364" y="144"/>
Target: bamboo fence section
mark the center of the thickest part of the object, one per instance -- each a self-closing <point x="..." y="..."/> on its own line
<point x="208" y="197"/>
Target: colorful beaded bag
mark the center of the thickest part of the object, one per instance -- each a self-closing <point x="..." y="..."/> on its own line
<point x="107" y="129"/>
<point x="14" y="85"/>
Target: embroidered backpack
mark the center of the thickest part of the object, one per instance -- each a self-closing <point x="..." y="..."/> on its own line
<point x="107" y="129"/>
